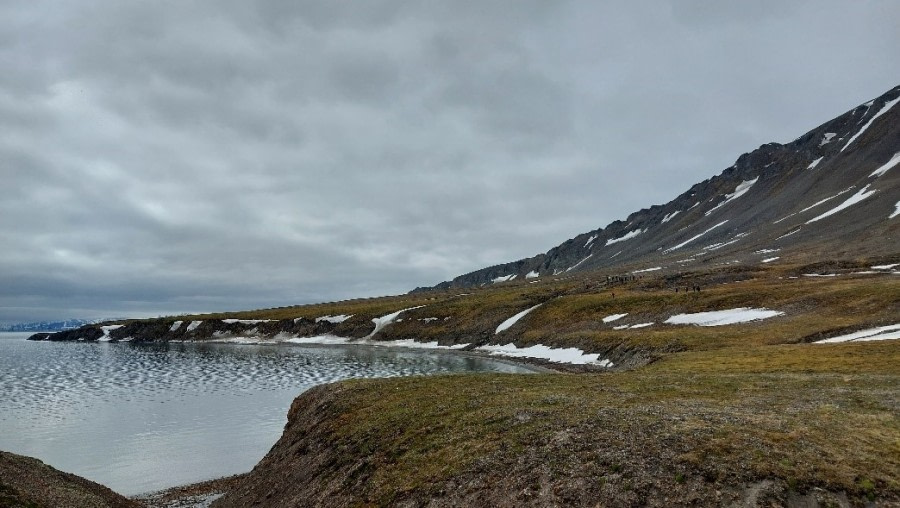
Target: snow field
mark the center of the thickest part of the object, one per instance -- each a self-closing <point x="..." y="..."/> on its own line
<point x="739" y="191"/>
<point x="626" y="236"/>
<point x="614" y="317"/>
<point x="338" y="318"/>
<point x="106" y="329"/>
<point x="887" y="166"/>
<point x="511" y="321"/>
<point x="689" y="240"/>
<point x="852" y="200"/>
<point x="723" y="317"/>
<point x="559" y="355"/>
<point x="383" y="321"/>
<point x="880" y="333"/>
<point x="884" y="109"/>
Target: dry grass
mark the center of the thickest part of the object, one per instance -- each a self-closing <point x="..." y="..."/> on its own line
<point x="718" y="407"/>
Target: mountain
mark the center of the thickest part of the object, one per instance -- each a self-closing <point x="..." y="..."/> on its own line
<point x="49" y="326"/>
<point x="832" y="193"/>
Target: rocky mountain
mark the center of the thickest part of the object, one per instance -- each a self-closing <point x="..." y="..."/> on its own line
<point x="832" y="193"/>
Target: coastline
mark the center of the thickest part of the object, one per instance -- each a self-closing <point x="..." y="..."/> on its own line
<point x="202" y="494"/>
<point x="538" y="365"/>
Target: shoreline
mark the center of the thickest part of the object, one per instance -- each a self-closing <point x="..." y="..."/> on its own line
<point x="538" y="365"/>
<point x="201" y="494"/>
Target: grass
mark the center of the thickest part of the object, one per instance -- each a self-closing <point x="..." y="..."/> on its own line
<point x="698" y="418"/>
<point x="707" y="409"/>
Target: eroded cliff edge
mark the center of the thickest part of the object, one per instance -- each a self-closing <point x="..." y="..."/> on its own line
<point x="661" y="437"/>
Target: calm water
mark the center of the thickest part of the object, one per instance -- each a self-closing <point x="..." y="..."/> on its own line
<point x="139" y="418"/>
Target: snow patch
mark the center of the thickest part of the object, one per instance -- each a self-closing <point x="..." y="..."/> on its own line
<point x="817" y="203"/>
<point x="106" y="329"/>
<point x="689" y="240"/>
<point x="503" y="278"/>
<point x="852" y="200"/>
<point x="626" y="236"/>
<point x="788" y="234"/>
<point x="175" y="326"/>
<point x="896" y="211"/>
<point x="820" y="275"/>
<point x="813" y="164"/>
<point x="769" y="260"/>
<point x="723" y="317"/>
<point x="766" y="251"/>
<point x="590" y="241"/>
<point x="884" y="109"/>
<point x="559" y="355"/>
<point x="887" y="165"/>
<point x="655" y="268"/>
<point x="670" y="216"/>
<point x="511" y="321"/>
<point x="739" y="191"/>
<point x="640" y="325"/>
<point x="885" y="267"/>
<point x="717" y="246"/>
<point x="880" y="333"/>
<point x="383" y="321"/>
<point x="245" y="321"/>
<point x="786" y="217"/>
<point x="532" y="275"/>
<point x="827" y="138"/>
<point x="339" y="318"/>
<point x="193" y="326"/>
<point x="614" y="317"/>
<point x="576" y="265"/>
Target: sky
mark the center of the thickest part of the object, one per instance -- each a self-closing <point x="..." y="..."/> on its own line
<point x="184" y="156"/>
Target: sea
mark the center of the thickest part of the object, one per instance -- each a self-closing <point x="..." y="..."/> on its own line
<point x="140" y="418"/>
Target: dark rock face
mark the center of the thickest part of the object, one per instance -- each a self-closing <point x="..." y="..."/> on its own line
<point x="166" y="329"/>
<point x="785" y="187"/>
<point x="28" y="482"/>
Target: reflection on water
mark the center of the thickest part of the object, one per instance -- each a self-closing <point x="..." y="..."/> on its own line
<point x="144" y="417"/>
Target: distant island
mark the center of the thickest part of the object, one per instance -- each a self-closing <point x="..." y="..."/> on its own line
<point x="48" y="326"/>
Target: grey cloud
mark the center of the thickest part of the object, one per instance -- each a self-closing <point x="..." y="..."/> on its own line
<point x="168" y="157"/>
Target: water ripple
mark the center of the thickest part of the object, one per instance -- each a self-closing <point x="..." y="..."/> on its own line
<point x="144" y="417"/>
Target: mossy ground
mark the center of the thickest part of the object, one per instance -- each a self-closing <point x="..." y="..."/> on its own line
<point x="714" y="407"/>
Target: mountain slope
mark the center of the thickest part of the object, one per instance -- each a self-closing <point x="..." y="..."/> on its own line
<point x="832" y="193"/>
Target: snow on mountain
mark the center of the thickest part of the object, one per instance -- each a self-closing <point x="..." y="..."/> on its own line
<point x="884" y="109"/>
<point x="854" y="199"/>
<point x="764" y="197"/>
<point x="739" y="191"/>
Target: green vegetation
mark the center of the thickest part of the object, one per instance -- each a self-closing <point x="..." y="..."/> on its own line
<point x="708" y="412"/>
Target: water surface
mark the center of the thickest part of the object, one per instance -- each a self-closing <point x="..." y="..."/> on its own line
<point x="139" y="418"/>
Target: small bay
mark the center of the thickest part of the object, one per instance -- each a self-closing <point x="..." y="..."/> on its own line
<point x="143" y="417"/>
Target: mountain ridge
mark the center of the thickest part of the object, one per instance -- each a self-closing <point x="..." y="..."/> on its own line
<point x="757" y="206"/>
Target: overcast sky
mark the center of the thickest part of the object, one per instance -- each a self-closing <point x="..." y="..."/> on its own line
<point x="170" y="156"/>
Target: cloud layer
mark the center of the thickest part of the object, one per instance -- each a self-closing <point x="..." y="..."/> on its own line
<point x="161" y="157"/>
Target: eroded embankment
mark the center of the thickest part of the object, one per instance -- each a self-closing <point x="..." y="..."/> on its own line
<point x="644" y="438"/>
